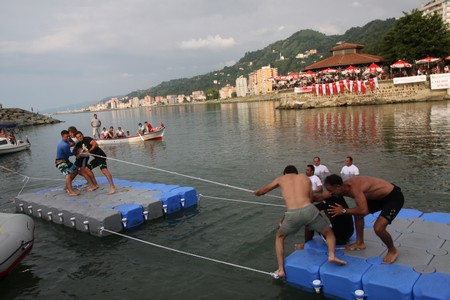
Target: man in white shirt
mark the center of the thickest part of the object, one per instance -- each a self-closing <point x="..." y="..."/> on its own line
<point x="319" y="169"/>
<point x="349" y="170"/>
<point x="316" y="183"/>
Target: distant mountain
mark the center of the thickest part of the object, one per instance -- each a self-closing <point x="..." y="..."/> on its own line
<point x="281" y="54"/>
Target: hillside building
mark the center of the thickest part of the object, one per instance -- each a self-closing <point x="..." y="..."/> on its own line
<point x="440" y="7"/>
<point x="241" y="86"/>
<point x="259" y="80"/>
<point x="227" y="91"/>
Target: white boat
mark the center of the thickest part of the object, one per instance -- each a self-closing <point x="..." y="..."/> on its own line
<point x="9" y="143"/>
<point x="154" y="135"/>
<point x="16" y="240"/>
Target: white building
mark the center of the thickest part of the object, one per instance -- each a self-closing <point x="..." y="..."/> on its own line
<point x="441" y="7"/>
<point x="241" y="86"/>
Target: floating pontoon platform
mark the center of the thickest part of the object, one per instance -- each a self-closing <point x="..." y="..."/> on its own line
<point x="131" y="205"/>
<point x="422" y="271"/>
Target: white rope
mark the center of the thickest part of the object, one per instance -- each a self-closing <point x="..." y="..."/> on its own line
<point x="34" y="178"/>
<point x="242" y="201"/>
<point x="183" y="175"/>
<point x="187" y="253"/>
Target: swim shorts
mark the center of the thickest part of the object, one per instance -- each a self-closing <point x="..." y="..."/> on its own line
<point x="65" y="166"/>
<point x="307" y="216"/>
<point x="389" y="205"/>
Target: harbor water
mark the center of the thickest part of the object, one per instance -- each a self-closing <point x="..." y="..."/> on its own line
<point x="225" y="151"/>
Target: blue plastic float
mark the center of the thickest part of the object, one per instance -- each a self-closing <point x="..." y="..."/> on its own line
<point x="422" y="271"/>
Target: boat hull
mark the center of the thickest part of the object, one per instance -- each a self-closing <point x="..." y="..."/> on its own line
<point x="12" y="148"/>
<point x="155" y="135"/>
<point x="16" y="240"/>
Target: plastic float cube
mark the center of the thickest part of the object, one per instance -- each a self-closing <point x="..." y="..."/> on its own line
<point x="389" y="282"/>
<point x="188" y="195"/>
<point x="302" y="267"/>
<point x="434" y="286"/>
<point x="132" y="215"/>
<point x="171" y="202"/>
<point x="341" y="281"/>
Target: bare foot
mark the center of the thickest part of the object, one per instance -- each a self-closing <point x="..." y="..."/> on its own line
<point x="336" y="260"/>
<point x="355" y="246"/>
<point x="112" y="190"/>
<point x="391" y="256"/>
<point x="74" y="193"/>
<point x="299" y="246"/>
<point x="91" y="189"/>
<point x="278" y="274"/>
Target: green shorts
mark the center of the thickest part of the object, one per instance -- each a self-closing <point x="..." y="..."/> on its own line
<point x="307" y="216"/>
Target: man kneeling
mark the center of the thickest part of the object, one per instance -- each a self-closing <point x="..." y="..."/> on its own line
<point x="297" y="193"/>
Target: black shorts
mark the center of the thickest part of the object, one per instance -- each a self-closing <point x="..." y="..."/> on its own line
<point x="389" y="205"/>
<point x="98" y="161"/>
<point x="81" y="162"/>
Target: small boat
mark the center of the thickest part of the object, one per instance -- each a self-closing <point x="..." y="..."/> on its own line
<point x="9" y="143"/>
<point x="157" y="134"/>
<point x="16" y="240"/>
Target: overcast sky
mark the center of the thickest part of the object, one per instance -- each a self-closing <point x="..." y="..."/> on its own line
<point x="62" y="52"/>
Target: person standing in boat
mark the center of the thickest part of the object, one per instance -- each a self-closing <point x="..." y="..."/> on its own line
<point x="95" y="124"/>
<point x="63" y="163"/>
<point x="371" y="194"/>
<point x="297" y="194"/>
<point x="88" y="145"/>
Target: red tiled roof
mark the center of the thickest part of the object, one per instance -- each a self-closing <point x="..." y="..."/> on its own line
<point x="347" y="46"/>
<point x="345" y="60"/>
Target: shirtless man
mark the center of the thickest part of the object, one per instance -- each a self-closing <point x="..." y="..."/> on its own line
<point x="371" y="194"/>
<point x="297" y="193"/>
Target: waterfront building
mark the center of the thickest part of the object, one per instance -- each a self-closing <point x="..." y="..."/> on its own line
<point x="345" y="54"/>
<point x="198" y="95"/>
<point x="259" y="80"/>
<point x="227" y="91"/>
<point x="241" y="86"/>
<point x="440" y="7"/>
<point x="172" y="99"/>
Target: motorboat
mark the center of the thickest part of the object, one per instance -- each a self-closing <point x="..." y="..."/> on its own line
<point x="156" y="134"/>
<point x="16" y="240"/>
<point x="9" y="143"/>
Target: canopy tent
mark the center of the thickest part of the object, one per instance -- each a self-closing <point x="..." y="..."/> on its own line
<point x="400" y="64"/>
<point x="373" y="68"/>
<point x="308" y="73"/>
<point x="427" y="60"/>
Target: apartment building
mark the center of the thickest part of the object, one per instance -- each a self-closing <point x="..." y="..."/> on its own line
<point x="441" y="7"/>
<point x="241" y="86"/>
<point x="258" y="81"/>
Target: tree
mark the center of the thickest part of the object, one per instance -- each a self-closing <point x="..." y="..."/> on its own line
<point x="212" y="94"/>
<point x="415" y="36"/>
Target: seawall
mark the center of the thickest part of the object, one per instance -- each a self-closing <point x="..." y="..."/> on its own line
<point x="25" y="118"/>
<point x="386" y="93"/>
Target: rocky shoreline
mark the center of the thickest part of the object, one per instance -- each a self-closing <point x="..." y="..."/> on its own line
<point x="25" y="118"/>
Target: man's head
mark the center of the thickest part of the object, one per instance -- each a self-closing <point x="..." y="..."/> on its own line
<point x="348" y="161"/>
<point x="119" y="128"/>
<point x="72" y="131"/>
<point x="95" y="116"/>
<point x="333" y="184"/>
<point x="316" y="161"/>
<point x="79" y="136"/>
<point x="65" y="135"/>
<point x="290" y="170"/>
<point x="309" y="170"/>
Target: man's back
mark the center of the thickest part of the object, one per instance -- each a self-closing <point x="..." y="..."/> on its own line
<point x="296" y="190"/>
<point x="373" y="188"/>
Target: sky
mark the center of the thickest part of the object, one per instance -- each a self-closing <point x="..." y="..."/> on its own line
<point x="63" y="52"/>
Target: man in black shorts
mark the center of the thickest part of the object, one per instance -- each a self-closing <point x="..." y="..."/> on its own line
<point x="371" y="194"/>
<point x="88" y="145"/>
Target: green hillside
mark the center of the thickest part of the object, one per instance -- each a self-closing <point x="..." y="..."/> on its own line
<point x="301" y="41"/>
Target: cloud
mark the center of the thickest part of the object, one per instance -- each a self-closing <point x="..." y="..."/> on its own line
<point x="280" y="28"/>
<point x="210" y="42"/>
<point x="356" y="4"/>
<point x="125" y="75"/>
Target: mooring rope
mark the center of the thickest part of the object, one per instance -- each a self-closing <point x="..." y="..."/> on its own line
<point x="183" y="175"/>
<point x="189" y="254"/>
<point x="242" y="201"/>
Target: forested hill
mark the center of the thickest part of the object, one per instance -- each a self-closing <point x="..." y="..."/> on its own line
<point x="301" y="41"/>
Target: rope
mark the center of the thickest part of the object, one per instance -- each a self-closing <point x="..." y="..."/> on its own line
<point x="189" y="254"/>
<point x="242" y="201"/>
<point x="183" y="175"/>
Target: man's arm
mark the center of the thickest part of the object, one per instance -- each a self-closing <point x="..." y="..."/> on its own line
<point x="265" y="189"/>
<point x="360" y="209"/>
<point x="93" y="144"/>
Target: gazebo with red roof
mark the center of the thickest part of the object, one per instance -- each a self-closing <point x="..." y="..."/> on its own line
<point x="345" y="54"/>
